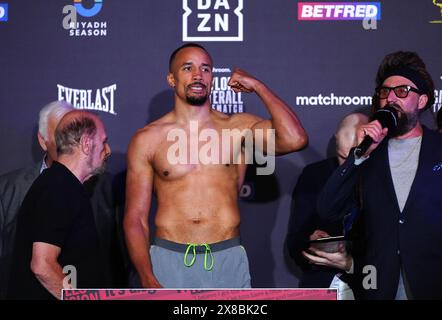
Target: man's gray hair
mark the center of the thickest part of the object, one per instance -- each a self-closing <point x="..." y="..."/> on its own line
<point x="55" y="109"/>
<point x="68" y="136"/>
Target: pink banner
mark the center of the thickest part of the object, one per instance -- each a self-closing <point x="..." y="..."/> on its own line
<point x="228" y="294"/>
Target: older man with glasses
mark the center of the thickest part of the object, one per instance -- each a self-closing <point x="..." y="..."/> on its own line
<point x="396" y="188"/>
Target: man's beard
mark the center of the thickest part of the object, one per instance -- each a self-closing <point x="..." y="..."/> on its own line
<point x="406" y="121"/>
<point x="196" y="100"/>
<point x="100" y="170"/>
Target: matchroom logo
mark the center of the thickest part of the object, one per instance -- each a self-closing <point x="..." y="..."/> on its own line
<point x="333" y="100"/>
<point x="339" y="10"/>
<point x="212" y="20"/>
<point x="3" y="12"/>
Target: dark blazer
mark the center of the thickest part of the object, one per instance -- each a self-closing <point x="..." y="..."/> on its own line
<point x="13" y="188"/>
<point x="304" y="220"/>
<point x="411" y="239"/>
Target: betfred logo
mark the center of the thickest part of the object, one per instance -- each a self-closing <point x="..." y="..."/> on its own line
<point x="339" y="11"/>
<point x="212" y="20"/>
<point x="3" y="12"/>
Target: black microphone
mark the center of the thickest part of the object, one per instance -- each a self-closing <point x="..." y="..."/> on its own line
<point x="388" y="118"/>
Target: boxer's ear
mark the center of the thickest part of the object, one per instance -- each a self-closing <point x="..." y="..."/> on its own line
<point x="171" y="79"/>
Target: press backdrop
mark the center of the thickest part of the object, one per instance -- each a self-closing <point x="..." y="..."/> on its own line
<point x="115" y="62"/>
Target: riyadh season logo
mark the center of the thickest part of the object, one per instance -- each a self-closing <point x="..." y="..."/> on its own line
<point x="212" y="20"/>
<point x="3" y="12"/>
<point x="368" y="12"/>
<point x="223" y="98"/>
<point x="90" y="99"/>
<point x="438" y="4"/>
<point x="87" y="10"/>
<point x="81" y="10"/>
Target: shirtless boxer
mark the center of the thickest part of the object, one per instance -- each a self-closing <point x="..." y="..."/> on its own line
<point x="196" y="243"/>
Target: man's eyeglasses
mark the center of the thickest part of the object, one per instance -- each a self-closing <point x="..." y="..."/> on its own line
<point x="399" y="91"/>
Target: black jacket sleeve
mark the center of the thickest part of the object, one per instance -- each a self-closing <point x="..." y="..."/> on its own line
<point x="338" y="197"/>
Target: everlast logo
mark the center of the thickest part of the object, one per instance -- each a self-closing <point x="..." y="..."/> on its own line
<point x="90" y="99"/>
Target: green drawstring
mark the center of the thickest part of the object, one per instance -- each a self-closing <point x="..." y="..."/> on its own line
<point x="189" y="246"/>
<point x="205" y="257"/>
<point x="208" y="251"/>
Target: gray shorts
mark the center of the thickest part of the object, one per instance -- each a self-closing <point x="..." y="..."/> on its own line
<point x="219" y="265"/>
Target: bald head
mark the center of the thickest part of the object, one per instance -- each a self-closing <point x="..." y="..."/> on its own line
<point x="72" y="127"/>
<point x="82" y="144"/>
<point x="346" y="134"/>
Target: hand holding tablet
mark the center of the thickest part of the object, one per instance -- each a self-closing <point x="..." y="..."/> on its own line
<point x="328" y="244"/>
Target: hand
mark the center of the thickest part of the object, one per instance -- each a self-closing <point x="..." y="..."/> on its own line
<point x="241" y="81"/>
<point x="151" y="282"/>
<point x="375" y="131"/>
<point x="318" y="234"/>
<point x="340" y="259"/>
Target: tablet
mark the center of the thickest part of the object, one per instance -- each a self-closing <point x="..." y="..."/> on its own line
<point x="328" y="244"/>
